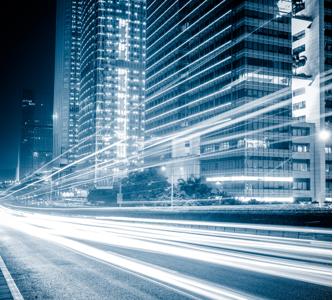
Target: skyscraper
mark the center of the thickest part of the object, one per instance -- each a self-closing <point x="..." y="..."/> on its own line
<point x="312" y="83"/>
<point x="42" y="144"/>
<point x="111" y="83"/>
<point x="25" y="161"/>
<point x="36" y="136"/>
<point x="223" y="62"/>
<point x="99" y="85"/>
<point x="67" y="79"/>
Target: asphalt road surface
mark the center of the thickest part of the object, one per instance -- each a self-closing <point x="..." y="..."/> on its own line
<point x="87" y="257"/>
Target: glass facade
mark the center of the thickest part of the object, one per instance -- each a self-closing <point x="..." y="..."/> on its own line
<point x="327" y="94"/>
<point x="205" y="60"/>
<point x="112" y="83"/>
<point x="67" y="79"/>
<point x="36" y="136"/>
<point x="27" y="135"/>
<point x="42" y="152"/>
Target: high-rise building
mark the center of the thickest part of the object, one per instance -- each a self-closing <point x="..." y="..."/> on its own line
<point x="312" y="83"/>
<point x="111" y="84"/>
<point x="25" y="160"/>
<point x="42" y="144"/>
<point x="67" y="80"/>
<point x="36" y="137"/>
<point x="99" y="84"/>
<point x="229" y="63"/>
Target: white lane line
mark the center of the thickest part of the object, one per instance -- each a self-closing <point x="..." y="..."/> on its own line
<point x="10" y="281"/>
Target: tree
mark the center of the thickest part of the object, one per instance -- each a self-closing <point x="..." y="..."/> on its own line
<point x="147" y="185"/>
<point x="107" y="196"/>
<point x="194" y="188"/>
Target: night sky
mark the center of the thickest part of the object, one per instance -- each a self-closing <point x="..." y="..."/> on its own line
<point x="27" y="61"/>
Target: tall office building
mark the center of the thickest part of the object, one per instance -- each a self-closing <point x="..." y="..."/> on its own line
<point x="99" y="83"/>
<point x="111" y="84"/>
<point x="312" y="84"/>
<point x="25" y="160"/>
<point x="42" y="144"/>
<point x="67" y="80"/>
<point x="36" y="137"/>
<point x="223" y="62"/>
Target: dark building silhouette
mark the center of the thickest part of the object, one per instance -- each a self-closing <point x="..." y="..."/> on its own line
<point x="28" y="107"/>
<point x="36" y="136"/>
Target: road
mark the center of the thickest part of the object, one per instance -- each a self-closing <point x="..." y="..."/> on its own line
<point x="87" y="257"/>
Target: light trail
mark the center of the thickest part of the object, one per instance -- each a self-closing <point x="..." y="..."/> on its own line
<point x="220" y="125"/>
<point x="91" y="169"/>
<point x="216" y="123"/>
<point x="203" y="60"/>
<point x="283" y="257"/>
<point x="83" y="173"/>
<point x="65" y="168"/>
<point x="191" y="285"/>
<point x="52" y="161"/>
<point x="162" y="234"/>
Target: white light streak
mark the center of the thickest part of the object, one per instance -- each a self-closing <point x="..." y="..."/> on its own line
<point x="250" y="178"/>
<point x="271" y="256"/>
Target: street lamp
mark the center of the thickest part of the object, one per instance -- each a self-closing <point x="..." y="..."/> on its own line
<point x="119" y="199"/>
<point x="163" y="168"/>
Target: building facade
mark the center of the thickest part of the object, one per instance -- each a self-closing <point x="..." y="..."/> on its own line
<point x="112" y="85"/>
<point x="35" y="148"/>
<point x="312" y="84"/>
<point x="99" y="89"/>
<point x="26" y="148"/>
<point x="303" y="162"/>
<point x="224" y="69"/>
<point x="42" y="148"/>
<point x="67" y="80"/>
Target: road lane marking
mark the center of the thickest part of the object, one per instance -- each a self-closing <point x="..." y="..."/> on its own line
<point x="10" y="281"/>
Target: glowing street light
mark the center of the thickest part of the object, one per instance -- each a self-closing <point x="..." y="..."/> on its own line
<point x="163" y="168"/>
<point x="324" y="135"/>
